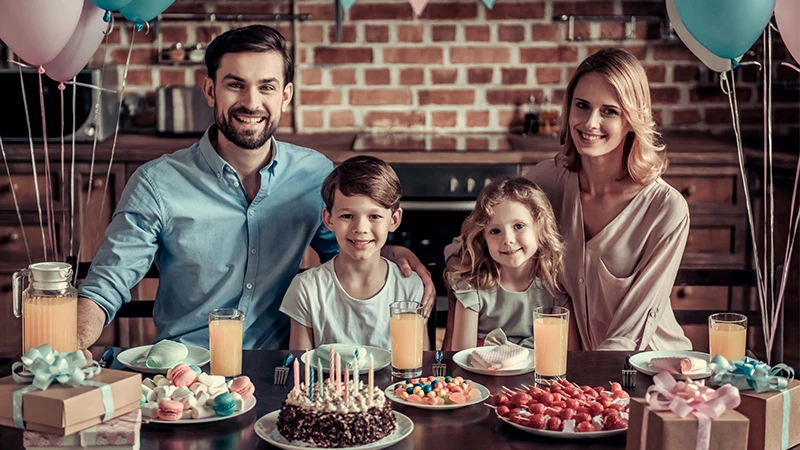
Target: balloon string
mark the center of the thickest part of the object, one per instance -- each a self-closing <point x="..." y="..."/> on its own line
<point x="774" y="302"/>
<point x="61" y="88"/>
<point x="33" y="159"/>
<point x="72" y="176"/>
<point x="97" y="109"/>
<point x="795" y="68"/>
<point x="731" y="91"/>
<point x="91" y="86"/>
<point x="48" y="191"/>
<point x="16" y="204"/>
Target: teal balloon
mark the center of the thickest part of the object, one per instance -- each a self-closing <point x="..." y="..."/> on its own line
<point x="141" y="11"/>
<point x="111" y="5"/>
<point x="727" y="28"/>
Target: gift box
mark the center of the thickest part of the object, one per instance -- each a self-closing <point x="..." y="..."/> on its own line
<point x="666" y="430"/>
<point x="65" y="409"/>
<point x="770" y="416"/>
<point x="120" y="433"/>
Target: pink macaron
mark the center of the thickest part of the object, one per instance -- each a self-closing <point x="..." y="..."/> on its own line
<point x="181" y="375"/>
<point x="242" y="386"/>
<point x="170" y="410"/>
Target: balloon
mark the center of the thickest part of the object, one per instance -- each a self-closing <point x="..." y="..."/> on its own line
<point x="37" y="30"/>
<point x="141" y="11"/>
<point x="787" y="14"/>
<point x="726" y="27"/>
<point x="111" y="5"/>
<point x="81" y="46"/>
<point x="711" y="60"/>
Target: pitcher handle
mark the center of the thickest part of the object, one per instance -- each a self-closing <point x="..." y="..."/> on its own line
<point x="16" y="291"/>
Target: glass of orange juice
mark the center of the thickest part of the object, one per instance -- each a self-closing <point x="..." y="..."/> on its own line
<point x="550" y="335"/>
<point x="406" y="330"/>
<point x="225" y="327"/>
<point x="727" y="335"/>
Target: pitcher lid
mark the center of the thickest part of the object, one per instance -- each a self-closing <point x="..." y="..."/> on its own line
<point x="50" y="271"/>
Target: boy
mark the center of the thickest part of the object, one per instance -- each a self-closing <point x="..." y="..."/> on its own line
<point x="346" y="300"/>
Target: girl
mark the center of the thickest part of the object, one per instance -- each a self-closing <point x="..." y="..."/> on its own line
<point x="511" y="256"/>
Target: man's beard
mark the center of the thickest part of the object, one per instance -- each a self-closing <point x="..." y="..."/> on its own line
<point x="251" y="139"/>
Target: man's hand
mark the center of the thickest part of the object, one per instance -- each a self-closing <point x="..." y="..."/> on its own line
<point x="91" y="320"/>
<point x="408" y="262"/>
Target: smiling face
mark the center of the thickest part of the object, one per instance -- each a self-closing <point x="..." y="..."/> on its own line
<point x="248" y="96"/>
<point x="361" y="225"/>
<point x="596" y="124"/>
<point x="511" y="234"/>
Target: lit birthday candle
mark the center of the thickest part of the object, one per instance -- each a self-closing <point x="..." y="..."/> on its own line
<point x="330" y="369"/>
<point x="346" y="385"/>
<point x="307" y="365"/>
<point x="311" y="385"/>
<point x="338" y="373"/>
<point x="321" y="380"/>
<point x="370" y="379"/>
<point x="355" y="375"/>
<point x="296" y="368"/>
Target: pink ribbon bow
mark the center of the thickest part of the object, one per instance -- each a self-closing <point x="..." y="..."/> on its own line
<point x="689" y="397"/>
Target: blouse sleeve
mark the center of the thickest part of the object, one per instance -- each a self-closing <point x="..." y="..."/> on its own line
<point x="465" y="294"/>
<point x="642" y="307"/>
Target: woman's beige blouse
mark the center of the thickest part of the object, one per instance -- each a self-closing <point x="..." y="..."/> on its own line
<point x="620" y="280"/>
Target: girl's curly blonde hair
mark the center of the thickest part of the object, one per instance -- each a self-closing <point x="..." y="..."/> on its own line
<point x="477" y="268"/>
<point x="643" y="153"/>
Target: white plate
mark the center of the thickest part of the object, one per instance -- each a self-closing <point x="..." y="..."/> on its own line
<point x="134" y="358"/>
<point x="267" y="429"/>
<point x="481" y="388"/>
<point x="381" y="359"/>
<point x="462" y="360"/>
<point x="248" y="405"/>
<point x="563" y="435"/>
<point x="641" y="362"/>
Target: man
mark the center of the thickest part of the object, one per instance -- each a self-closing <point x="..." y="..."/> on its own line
<point x="227" y="220"/>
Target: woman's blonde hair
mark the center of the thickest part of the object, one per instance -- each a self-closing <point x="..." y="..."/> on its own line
<point x="477" y="268"/>
<point x="643" y="153"/>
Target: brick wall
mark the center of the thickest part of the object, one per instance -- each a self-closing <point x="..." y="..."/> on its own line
<point x="461" y="67"/>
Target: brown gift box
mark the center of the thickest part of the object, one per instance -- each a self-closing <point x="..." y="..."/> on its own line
<point x="64" y="410"/>
<point x="765" y="412"/>
<point x="668" y="431"/>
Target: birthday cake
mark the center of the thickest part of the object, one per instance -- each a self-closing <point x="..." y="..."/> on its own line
<point x="339" y="416"/>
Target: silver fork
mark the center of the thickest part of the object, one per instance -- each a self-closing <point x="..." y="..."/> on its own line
<point x="282" y="372"/>
<point x="439" y="368"/>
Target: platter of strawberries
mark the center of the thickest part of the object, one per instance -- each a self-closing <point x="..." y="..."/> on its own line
<point x="564" y="409"/>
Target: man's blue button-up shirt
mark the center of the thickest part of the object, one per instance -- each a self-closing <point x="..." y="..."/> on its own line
<point x="188" y="212"/>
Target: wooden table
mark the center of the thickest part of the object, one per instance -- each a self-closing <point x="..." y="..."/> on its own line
<point x="470" y="427"/>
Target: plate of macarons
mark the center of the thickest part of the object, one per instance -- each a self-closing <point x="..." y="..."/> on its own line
<point x="188" y="396"/>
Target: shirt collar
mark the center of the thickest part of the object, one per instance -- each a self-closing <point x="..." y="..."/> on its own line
<point x="218" y="164"/>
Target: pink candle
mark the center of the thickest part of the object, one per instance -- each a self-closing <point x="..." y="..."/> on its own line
<point x="346" y="385"/>
<point x="296" y="374"/>
<point x="338" y="369"/>
<point x="330" y="369"/>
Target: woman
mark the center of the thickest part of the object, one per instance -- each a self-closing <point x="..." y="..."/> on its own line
<point x="625" y="229"/>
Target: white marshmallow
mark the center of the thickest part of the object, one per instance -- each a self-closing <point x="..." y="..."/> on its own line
<point x="217" y="380"/>
<point x="146" y="390"/>
<point x="197" y="387"/>
<point x="149" y="383"/>
<point x="181" y="393"/>
<point x="239" y="401"/>
<point x="164" y="392"/>
<point x="187" y="414"/>
<point x="200" y="412"/>
<point x="150" y="409"/>
<point x="161" y="380"/>
<point x="152" y="397"/>
<point x="202" y="398"/>
<point x="216" y="390"/>
<point x="204" y="378"/>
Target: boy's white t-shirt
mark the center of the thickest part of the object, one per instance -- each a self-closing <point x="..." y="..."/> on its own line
<point x="317" y="300"/>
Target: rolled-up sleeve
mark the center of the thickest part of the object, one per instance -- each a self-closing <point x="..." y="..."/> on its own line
<point x="130" y="245"/>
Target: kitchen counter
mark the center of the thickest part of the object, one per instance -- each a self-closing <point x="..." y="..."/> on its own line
<point x="683" y="148"/>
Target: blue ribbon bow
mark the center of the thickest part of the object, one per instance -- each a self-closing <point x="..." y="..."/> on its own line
<point x="42" y="366"/>
<point x="750" y="373"/>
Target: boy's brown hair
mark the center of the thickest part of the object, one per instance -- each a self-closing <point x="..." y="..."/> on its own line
<point x="364" y="175"/>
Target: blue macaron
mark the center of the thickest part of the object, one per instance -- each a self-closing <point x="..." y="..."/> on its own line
<point x="224" y="404"/>
<point x="195" y="369"/>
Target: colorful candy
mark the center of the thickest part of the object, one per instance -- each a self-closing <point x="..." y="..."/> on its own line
<point x="438" y="391"/>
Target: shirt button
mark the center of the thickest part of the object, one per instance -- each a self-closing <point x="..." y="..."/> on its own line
<point x="252" y="212"/>
<point x="235" y="184"/>
<point x="581" y="280"/>
<point x="252" y="251"/>
<point x="248" y="286"/>
<point x="652" y="314"/>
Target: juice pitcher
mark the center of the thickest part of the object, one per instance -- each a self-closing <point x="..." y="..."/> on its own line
<point x="48" y="307"/>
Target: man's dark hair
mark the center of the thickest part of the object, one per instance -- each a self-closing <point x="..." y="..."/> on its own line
<point x="255" y="38"/>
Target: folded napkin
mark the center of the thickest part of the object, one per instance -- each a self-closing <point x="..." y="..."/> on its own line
<point x="166" y="354"/>
<point x="686" y="365"/>
<point x="498" y="353"/>
<point x="347" y="352"/>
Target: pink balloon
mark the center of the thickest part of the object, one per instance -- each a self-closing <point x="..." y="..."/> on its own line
<point x="787" y="14"/>
<point x="81" y="46"/>
<point x="37" y="30"/>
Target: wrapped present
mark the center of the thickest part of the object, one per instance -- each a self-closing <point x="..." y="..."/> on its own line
<point x="678" y="415"/>
<point x="60" y="394"/>
<point x="771" y="401"/>
<point x="119" y="433"/>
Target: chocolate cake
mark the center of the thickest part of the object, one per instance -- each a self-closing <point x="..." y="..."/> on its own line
<point x="327" y="422"/>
